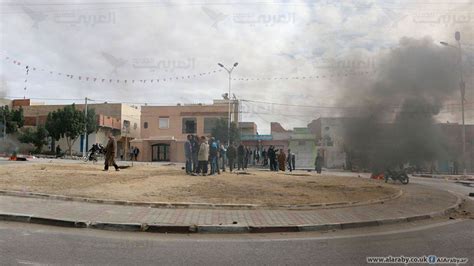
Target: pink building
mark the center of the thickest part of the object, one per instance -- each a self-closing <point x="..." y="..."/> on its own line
<point x="164" y="128"/>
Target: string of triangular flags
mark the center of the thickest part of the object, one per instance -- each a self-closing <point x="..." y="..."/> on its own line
<point x="108" y="80"/>
<point x="26" y="81"/>
<point x="307" y="77"/>
<point x="183" y="77"/>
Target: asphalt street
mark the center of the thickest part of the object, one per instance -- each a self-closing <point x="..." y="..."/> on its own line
<point x="40" y="245"/>
<point x="29" y="244"/>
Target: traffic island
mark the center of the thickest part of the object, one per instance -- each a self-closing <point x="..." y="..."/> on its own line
<point x="416" y="203"/>
<point x="168" y="187"/>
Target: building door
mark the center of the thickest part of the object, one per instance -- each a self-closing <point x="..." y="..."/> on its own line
<point x="160" y="153"/>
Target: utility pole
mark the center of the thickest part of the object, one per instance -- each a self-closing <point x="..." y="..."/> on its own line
<point x="228" y="96"/>
<point x="84" y="143"/>
<point x="462" y="87"/>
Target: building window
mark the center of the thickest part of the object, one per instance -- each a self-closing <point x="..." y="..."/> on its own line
<point x="126" y="124"/>
<point x="189" y="125"/>
<point x="145" y="125"/>
<point x="164" y="122"/>
<point x="301" y="142"/>
<point x="209" y="124"/>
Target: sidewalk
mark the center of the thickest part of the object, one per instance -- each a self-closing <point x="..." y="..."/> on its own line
<point x="447" y="176"/>
<point x="417" y="202"/>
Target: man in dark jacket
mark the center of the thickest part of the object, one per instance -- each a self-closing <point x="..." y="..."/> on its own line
<point x="318" y="163"/>
<point x="188" y="154"/>
<point x="272" y="158"/>
<point x="195" y="150"/>
<point x="247" y="157"/>
<point x="231" y="155"/>
<point x="240" y="156"/>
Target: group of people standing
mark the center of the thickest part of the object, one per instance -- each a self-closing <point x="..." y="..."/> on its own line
<point x="201" y="152"/>
<point x="278" y="159"/>
<point x="132" y="154"/>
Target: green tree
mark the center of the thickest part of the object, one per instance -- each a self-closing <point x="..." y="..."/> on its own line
<point x="53" y="127"/>
<point x="37" y="137"/>
<point x="219" y="132"/>
<point x="11" y="119"/>
<point x="68" y="123"/>
<point x="91" y="121"/>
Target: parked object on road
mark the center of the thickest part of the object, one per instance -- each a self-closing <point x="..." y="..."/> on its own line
<point x="396" y="175"/>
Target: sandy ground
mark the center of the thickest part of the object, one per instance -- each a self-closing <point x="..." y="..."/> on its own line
<point x="153" y="183"/>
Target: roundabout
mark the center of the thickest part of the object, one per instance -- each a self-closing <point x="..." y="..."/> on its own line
<point x="50" y="200"/>
<point x="157" y="186"/>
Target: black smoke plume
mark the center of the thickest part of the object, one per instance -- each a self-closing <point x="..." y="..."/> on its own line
<point x="395" y="110"/>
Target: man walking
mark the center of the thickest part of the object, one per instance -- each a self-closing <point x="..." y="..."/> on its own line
<point x="110" y="151"/>
<point x="188" y="154"/>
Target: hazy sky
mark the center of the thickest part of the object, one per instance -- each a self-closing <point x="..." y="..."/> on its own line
<point x="288" y="52"/>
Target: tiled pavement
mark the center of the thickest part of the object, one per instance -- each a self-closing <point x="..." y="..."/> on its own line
<point x="416" y="200"/>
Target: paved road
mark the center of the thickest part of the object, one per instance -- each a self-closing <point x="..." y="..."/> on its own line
<point x="26" y="244"/>
<point x="40" y="245"/>
<point x="444" y="185"/>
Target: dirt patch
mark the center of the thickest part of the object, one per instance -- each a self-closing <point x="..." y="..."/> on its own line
<point x="153" y="183"/>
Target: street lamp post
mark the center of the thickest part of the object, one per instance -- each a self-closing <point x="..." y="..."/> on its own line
<point x="462" y="87"/>
<point x="84" y="143"/>
<point x="228" y="96"/>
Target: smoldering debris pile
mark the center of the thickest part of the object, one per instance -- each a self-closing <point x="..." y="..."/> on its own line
<point x="395" y="110"/>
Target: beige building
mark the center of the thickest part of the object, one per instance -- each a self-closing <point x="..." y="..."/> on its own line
<point x="164" y="128"/>
<point x="248" y="128"/>
<point x="120" y="119"/>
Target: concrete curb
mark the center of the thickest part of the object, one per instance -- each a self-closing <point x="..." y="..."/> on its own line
<point x="220" y="229"/>
<point x="188" y="205"/>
